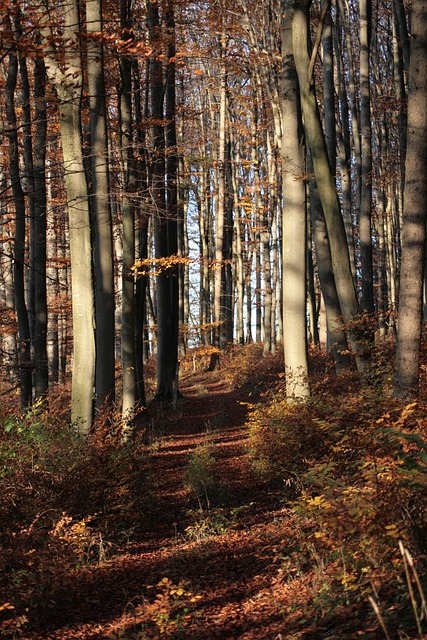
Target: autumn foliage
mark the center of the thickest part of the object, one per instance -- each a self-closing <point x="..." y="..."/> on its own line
<point x="240" y="516"/>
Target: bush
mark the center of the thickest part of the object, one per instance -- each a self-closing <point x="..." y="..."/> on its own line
<point x="63" y="501"/>
<point x="358" y="466"/>
<point x="284" y="438"/>
<point x="200" y="476"/>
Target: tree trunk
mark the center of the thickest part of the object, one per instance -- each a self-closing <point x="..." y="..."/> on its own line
<point x="344" y="143"/>
<point x="9" y="350"/>
<point x="365" y="224"/>
<point x="414" y="214"/>
<point x="68" y="83"/>
<point x="24" y="353"/>
<point x="220" y="215"/>
<point x="325" y="180"/>
<point x="165" y="233"/>
<point x="336" y="339"/>
<point x="41" y="369"/>
<point x="100" y="208"/>
<point x="293" y="224"/>
<point x="128" y="214"/>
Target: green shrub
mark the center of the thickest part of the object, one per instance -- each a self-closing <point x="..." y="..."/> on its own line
<point x="200" y="476"/>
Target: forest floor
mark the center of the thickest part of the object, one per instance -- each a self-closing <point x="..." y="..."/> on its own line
<point x="211" y="558"/>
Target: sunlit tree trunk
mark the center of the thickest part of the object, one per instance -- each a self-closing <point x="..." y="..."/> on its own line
<point x="238" y="254"/>
<point x="182" y="241"/>
<point x="258" y="288"/>
<point x="293" y="224"/>
<point x="53" y="291"/>
<point x="414" y="213"/>
<point x="9" y="351"/>
<point x="68" y="83"/>
<point x="128" y="215"/>
<point x="344" y="145"/>
<point x="142" y="231"/>
<point x="220" y="213"/>
<point x="227" y="303"/>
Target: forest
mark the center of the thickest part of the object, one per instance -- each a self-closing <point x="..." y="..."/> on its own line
<point x="212" y="331"/>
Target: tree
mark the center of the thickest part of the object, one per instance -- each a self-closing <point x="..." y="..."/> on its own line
<point x="164" y="211"/>
<point x="365" y="224"/>
<point x="128" y="223"/>
<point x="67" y="78"/>
<point x="293" y="223"/>
<point x="39" y="241"/>
<point x="100" y="206"/>
<point x="325" y="179"/>
<point x="414" y="213"/>
<point x="24" y="357"/>
<point x="220" y="214"/>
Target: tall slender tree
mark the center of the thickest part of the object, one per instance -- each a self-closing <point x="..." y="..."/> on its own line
<point x="164" y="214"/>
<point x="365" y="217"/>
<point x="100" y="206"/>
<point x="325" y="179"/>
<point x="66" y="76"/>
<point x="294" y="244"/>
<point x="24" y="346"/>
<point x="128" y="223"/>
<point x="414" y="213"/>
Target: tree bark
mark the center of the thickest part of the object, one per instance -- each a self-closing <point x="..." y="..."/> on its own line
<point x="294" y="244"/>
<point x="414" y="214"/>
<point x="128" y="214"/>
<point x="68" y="83"/>
<point x="365" y="217"/>
<point x="325" y="180"/>
<point x="24" y="352"/>
<point x="100" y="208"/>
<point x="165" y="232"/>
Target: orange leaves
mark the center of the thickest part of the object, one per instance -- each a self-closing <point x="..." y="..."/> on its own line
<point x="170" y="609"/>
<point x="157" y="266"/>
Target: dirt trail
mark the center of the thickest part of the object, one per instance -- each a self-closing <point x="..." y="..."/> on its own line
<point x="209" y="413"/>
<point x="226" y="568"/>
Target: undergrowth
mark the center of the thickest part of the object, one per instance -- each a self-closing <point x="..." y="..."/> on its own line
<point x="350" y="465"/>
<point x="353" y="466"/>
<point x="64" y="504"/>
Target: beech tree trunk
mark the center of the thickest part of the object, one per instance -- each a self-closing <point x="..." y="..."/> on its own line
<point x="68" y="82"/>
<point x="41" y="369"/>
<point x="325" y="179"/>
<point x="414" y="214"/>
<point x="128" y="215"/>
<point x="164" y="222"/>
<point x="365" y="223"/>
<point x="294" y="244"/>
<point x="100" y="208"/>
<point x="24" y="353"/>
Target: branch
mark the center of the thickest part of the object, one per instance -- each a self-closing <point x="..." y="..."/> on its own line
<point x="318" y="40"/>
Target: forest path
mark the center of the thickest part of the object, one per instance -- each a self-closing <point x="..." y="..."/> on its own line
<point x="221" y="544"/>
<point x="212" y="416"/>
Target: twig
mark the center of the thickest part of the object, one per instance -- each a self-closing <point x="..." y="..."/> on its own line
<point x="318" y="40"/>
